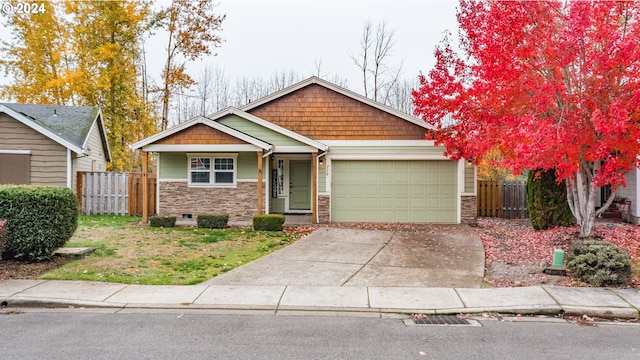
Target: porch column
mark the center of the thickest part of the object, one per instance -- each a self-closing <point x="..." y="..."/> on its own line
<point x="145" y="187"/>
<point x="314" y="186"/>
<point x="260" y="187"/>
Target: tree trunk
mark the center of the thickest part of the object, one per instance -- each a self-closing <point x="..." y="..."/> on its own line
<point x="581" y="196"/>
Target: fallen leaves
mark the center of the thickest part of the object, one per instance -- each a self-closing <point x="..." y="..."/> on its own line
<point x="515" y="253"/>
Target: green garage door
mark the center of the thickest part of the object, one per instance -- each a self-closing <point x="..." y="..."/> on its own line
<point x="394" y="191"/>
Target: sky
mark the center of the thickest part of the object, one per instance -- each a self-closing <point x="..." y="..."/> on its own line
<point x="264" y="37"/>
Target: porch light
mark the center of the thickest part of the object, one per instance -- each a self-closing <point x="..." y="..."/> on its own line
<point x="321" y="162"/>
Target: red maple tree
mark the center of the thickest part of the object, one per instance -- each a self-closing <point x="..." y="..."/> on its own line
<point x="550" y="84"/>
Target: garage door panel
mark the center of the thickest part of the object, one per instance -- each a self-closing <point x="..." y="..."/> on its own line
<point x="394" y="191"/>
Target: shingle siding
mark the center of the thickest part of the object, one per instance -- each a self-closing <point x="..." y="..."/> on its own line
<point x="323" y="114"/>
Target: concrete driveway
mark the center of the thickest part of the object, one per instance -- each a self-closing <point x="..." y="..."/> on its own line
<point x="433" y="256"/>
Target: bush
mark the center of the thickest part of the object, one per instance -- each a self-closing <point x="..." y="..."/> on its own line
<point x="213" y="221"/>
<point x="162" y="221"/>
<point x="40" y="219"/>
<point x="547" y="201"/>
<point x="599" y="263"/>
<point x="268" y="222"/>
<point x="4" y="236"/>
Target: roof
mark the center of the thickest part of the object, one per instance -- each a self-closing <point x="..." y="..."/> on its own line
<point x="355" y="96"/>
<point x="202" y="120"/>
<point x="69" y="126"/>
<point x="212" y="122"/>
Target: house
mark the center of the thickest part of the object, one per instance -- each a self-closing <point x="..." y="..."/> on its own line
<point x="312" y="148"/>
<point x="49" y="144"/>
<point x="631" y="192"/>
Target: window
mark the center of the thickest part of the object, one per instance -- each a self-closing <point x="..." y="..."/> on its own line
<point x="223" y="171"/>
<point x="200" y="170"/>
<point x="212" y="170"/>
<point x="280" y="176"/>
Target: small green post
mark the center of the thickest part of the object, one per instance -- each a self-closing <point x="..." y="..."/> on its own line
<point x="558" y="258"/>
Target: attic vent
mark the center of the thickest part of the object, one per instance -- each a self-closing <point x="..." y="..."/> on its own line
<point x="29" y="116"/>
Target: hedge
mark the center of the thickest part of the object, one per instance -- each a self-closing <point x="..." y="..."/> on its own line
<point x="268" y="222"/>
<point x="162" y="221"/>
<point x="4" y="236"/>
<point x="213" y="221"/>
<point x="40" y="219"/>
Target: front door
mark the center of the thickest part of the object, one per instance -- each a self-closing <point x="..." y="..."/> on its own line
<point x="300" y="185"/>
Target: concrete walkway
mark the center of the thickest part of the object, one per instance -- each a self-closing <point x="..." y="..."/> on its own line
<point x="334" y="300"/>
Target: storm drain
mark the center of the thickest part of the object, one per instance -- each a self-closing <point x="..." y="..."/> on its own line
<point x="441" y="320"/>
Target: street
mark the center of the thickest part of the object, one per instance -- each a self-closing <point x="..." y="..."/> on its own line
<point x="103" y="334"/>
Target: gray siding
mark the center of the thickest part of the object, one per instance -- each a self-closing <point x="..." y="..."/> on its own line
<point x="48" y="158"/>
<point x="97" y="154"/>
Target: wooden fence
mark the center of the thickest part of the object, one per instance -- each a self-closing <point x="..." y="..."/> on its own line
<point x="135" y="194"/>
<point x="114" y="193"/>
<point x="502" y="198"/>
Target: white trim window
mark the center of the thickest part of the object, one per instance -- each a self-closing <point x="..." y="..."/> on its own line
<point x="212" y="170"/>
<point x="224" y="171"/>
<point x="200" y="170"/>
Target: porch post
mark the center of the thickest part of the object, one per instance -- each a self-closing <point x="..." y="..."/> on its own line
<point x="145" y="187"/>
<point x="260" y="187"/>
<point x="314" y="186"/>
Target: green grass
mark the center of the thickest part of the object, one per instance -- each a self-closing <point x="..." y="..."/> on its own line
<point x="133" y="254"/>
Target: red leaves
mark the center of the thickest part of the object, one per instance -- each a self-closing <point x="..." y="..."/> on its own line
<point x="550" y="84"/>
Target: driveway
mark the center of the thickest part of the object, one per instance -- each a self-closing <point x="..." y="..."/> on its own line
<point x="432" y="256"/>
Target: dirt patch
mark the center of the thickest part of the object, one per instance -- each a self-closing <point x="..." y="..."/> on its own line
<point x="12" y="269"/>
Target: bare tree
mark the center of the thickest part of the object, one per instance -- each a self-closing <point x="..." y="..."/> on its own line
<point x="399" y="95"/>
<point x="192" y="30"/>
<point x="378" y="76"/>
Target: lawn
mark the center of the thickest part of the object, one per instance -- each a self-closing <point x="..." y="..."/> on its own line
<point x="133" y="254"/>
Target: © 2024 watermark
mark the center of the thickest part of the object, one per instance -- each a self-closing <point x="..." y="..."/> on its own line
<point x="10" y="8"/>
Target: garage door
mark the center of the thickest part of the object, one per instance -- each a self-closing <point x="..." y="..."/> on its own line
<point x="394" y="191"/>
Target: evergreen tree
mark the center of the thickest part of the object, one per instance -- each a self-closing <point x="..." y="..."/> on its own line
<point x="547" y="201"/>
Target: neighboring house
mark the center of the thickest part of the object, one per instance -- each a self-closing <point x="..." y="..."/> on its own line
<point x="49" y="144"/>
<point x="312" y="148"/>
<point x="632" y="192"/>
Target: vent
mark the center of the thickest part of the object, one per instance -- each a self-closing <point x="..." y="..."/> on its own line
<point x="440" y="320"/>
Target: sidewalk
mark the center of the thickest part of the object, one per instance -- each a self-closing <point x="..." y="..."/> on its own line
<point x="334" y="300"/>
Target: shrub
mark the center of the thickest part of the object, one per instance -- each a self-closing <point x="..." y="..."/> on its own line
<point x="268" y="222"/>
<point x="40" y="219"/>
<point x="599" y="263"/>
<point x="547" y="201"/>
<point x="162" y="221"/>
<point x="213" y="221"/>
<point x="4" y="236"/>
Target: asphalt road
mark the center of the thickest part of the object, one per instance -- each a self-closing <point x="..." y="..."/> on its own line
<point x="90" y="334"/>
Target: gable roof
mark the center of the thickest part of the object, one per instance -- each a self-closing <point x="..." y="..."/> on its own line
<point x="69" y="126"/>
<point x="338" y="89"/>
<point x="201" y="120"/>
<point x="212" y="122"/>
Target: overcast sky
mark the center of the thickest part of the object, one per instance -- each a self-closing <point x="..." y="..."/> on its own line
<point x="262" y="37"/>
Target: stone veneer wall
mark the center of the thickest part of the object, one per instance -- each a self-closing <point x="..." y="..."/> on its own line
<point x="177" y="198"/>
<point x="324" y="209"/>
<point x="469" y="211"/>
